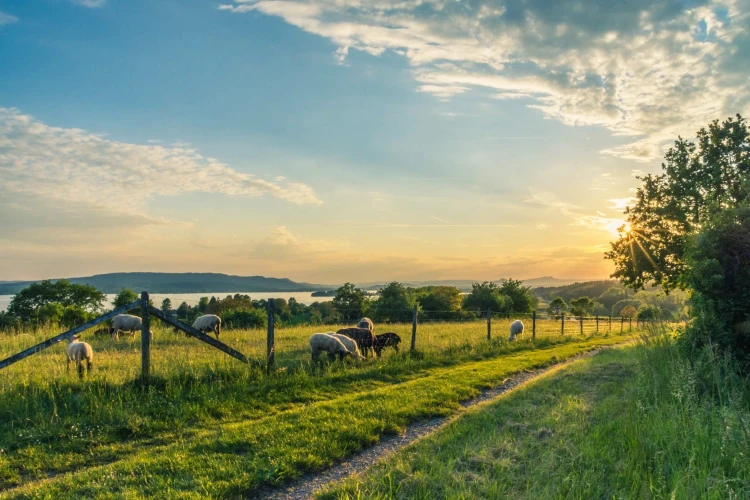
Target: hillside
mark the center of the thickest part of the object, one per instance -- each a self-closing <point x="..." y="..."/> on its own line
<point x="179" y="283"/>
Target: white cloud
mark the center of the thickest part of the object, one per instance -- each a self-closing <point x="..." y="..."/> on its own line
<point x="72" y="166"/>
<point x="650" y="70"/>
<point x="7" y="18"/>
<point x="92" y="4"/>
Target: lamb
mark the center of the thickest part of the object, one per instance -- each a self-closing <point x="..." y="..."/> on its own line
<point x="350" y="344"/>
<point x="366" y="323"/>
<point x="78" y="352"/>
<point x="208" y="323"/>
<point x="362" y="336"/>
<point x="516" y="328"/>
<point x="126" y="322"/>
<point x="385" y="340"/>
<point x="320" y="342"/>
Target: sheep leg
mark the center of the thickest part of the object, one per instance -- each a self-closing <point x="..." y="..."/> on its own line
<point x="88" y="366"/>
<point x="80" y="368"/>
<point x="331" y="357"/>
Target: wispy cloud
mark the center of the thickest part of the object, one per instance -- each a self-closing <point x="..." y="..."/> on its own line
<point x="74" y="166"/>
<point x="92" y="4"/>
<point x="575" y="65"/>
<point x="7" y="19"/>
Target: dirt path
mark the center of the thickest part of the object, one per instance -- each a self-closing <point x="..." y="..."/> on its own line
<point x="309" y="484"/>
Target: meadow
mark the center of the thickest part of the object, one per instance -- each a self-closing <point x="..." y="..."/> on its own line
<point x="212" y="426"/>
<point x="634" y="422"/>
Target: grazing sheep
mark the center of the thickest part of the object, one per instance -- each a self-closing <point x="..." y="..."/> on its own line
<point x="350" y="344"/>
<point x="127" y="323"/>
<point x="362" y="336"/>
<point x="366" y="323"/>
<point x="320" y="342"/>
<point x="516" y="328"/>
<point x="77" y="352"/>
<point x="385" y="340"/>
<point x="208" y="323"/>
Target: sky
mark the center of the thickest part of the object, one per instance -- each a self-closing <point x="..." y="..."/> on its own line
<point x="346" y="140"/>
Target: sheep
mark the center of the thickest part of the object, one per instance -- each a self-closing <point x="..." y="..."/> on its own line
<point x="208" y="323"/>
<point x="366" y="323"/>
<point x="516" y="328"/>
<point x="362" y="336"/>
<point x="320" y="342"/>
<point x="384" y="340"/>
<point x="350" y="344"/>
<point x="77" y="352"/>
<point x="126" y="322"/>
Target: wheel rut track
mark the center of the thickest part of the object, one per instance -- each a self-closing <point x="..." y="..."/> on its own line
<point x="310" y="484"/>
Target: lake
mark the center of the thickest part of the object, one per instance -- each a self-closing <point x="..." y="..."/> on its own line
<point x="193" y="298"/>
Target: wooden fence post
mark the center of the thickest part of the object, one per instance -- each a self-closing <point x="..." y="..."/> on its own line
<point x="414" y="329"/>
<point x="622" y="322"/>
<point x="489" y="324"/>
<point x="270" y="343"/>
<point x="581" y="320"/>
<point x="533" y="326"/>
<point x="562" y="324"/>
<point x="145" y="338"/>
<point x="630" y="328"/>
<point x="597" y="323"/>
<point x="610" y="323"/>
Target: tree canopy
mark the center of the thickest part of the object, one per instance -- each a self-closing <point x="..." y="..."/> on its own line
<point x="28" y="302"/>
<point x="351" y="302"/>
<point x="484" y="296"/>
<point x="699" y="179"/>
<point x="522" y="297"/>
<point x="394" y="303"/>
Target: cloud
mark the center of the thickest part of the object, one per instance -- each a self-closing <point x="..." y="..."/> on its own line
<point x="646" y="70"/>
<point x="92" y="4"/>
<point x="76" y="168"/>
<point x="7" y="18"/>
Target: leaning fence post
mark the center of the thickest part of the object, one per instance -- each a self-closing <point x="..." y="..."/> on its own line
<point x="145" y="337"/>
<point x="489" y="323"/>
<point x="270" y="347"/>
<point x="562" y="324"/>
<point x="414" y="329"/>
<point x="533" y="326"/>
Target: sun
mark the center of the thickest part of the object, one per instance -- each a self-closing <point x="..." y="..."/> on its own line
<point x="626" y="228"/>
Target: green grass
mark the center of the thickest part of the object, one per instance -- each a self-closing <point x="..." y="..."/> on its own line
<point x="215" y="427"/>
<point x="636" y="422"/>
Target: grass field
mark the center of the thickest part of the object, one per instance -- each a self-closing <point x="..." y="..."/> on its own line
<point x="636" y="422"/>
<point x="211" y="425"/>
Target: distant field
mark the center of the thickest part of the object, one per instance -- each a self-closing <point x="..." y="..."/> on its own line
<point x="52" y="423"/>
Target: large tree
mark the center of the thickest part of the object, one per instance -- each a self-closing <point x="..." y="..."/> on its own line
<point x="523" y="298"/>
<point x="395" y="303"/>
<point x="351" y="302"/>
<point x="699" y="179"/>
<point x="484" y="296"/>
<point x="28" y="302"/>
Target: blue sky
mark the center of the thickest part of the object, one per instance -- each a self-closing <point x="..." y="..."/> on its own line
<point x="345" y="141"/>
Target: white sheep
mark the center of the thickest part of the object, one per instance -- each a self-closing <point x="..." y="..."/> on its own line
<point x="78" y="352"/>
<point x="349" y="343"/>
<point x="322" y="342"/>
<point x="126" y="323"/>
<point x="208" y="323"/>
<point x="516" y="328"/>
<point x="365" y="323"/>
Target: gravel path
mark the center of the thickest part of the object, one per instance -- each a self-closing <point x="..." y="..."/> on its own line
<point x="307" y="485"/>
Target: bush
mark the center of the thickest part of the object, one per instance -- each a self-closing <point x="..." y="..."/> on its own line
<point x="718" y="273"/>
<point x="245" y="318"/>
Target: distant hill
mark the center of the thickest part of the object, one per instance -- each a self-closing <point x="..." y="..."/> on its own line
<point x="178" y="283"/>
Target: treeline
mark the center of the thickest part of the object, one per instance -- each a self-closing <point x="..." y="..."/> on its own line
<point x="68" y="304"/>
<point x="605" y="298"/>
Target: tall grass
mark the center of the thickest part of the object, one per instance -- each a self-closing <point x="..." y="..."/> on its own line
<point x="638" y="422"/>
<point x="51" y="422"/>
